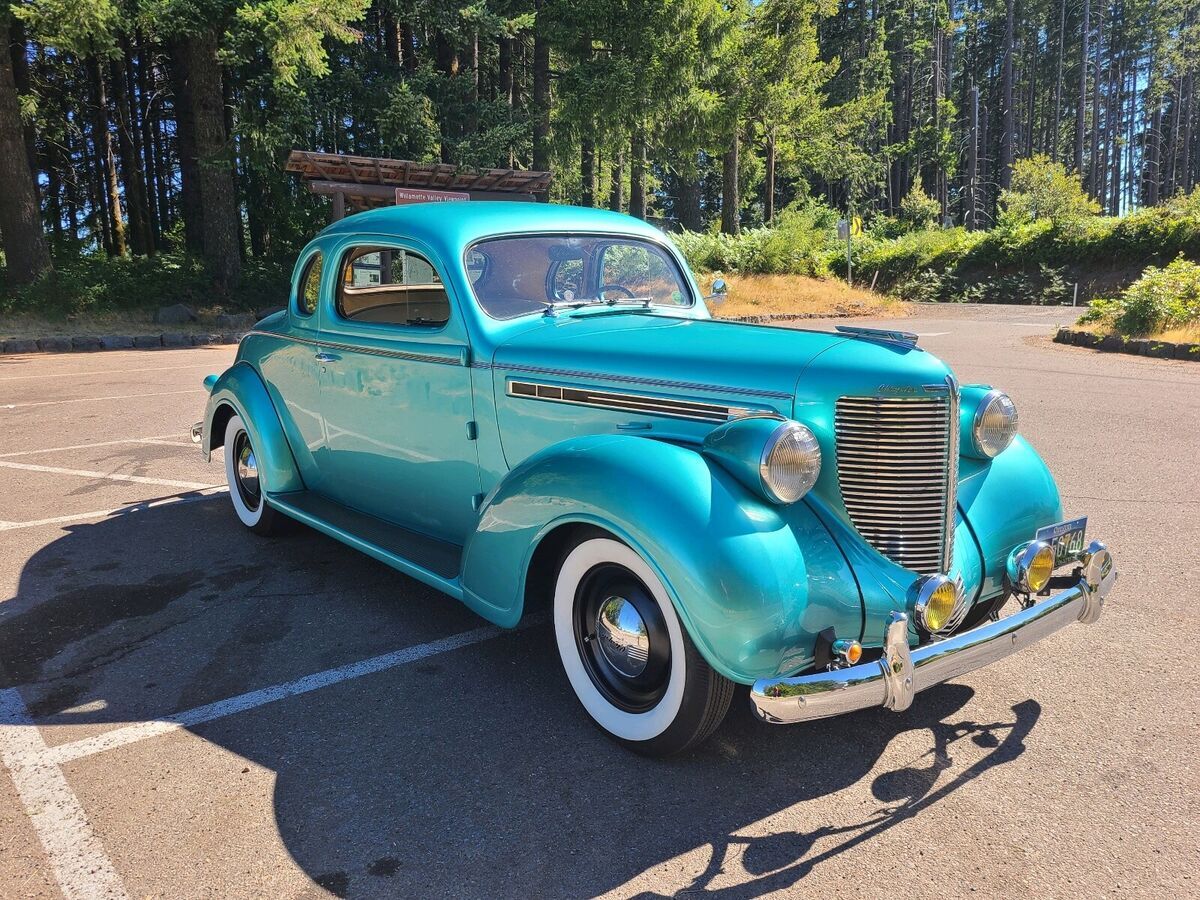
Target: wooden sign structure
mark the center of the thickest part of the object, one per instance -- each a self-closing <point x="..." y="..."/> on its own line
<point x="357" y="183"/>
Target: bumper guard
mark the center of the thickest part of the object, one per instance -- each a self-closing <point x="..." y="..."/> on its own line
<point x="893" y="680"/>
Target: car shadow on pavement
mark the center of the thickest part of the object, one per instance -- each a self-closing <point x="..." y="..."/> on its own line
<point x="472" y="772"/>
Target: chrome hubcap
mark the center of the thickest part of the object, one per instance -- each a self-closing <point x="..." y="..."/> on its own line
<point x="623" y="638"/>
<point x="247" y="471"/>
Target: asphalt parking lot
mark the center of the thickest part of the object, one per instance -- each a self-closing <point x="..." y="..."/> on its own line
<point x="189" y="710"/>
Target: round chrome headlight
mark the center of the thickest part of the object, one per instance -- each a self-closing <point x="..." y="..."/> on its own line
<point x="790" y="463"/>
<point x="995" y="423"/>
<point x="939" y="604"/>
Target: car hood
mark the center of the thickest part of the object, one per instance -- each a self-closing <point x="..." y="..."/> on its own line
<point x="667" y="354"/>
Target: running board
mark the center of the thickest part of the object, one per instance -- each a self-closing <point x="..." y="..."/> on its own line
<point x="429" y="560"/>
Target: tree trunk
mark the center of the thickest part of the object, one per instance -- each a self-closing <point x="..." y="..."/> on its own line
<point x="730" y="201"/>
<point x="20" y="72"/>
<point x="505" y="71"/>
<point x="190" y="207"/>
<point x="637" y="174"/>
<point x="587" y="172"/>
<point x="1058" y="80"/>
<point x="690" y="215"/>
<point x="104" y="156"/>
<point x="135" y="188"/>
<point x="391" y="38"/>
<point x="1081" y="107"/>
<point x="971" y="213"/>
<point x="769" y="186"/>
<point x="541" y="90"/>
<point x="1006" y="134"/>
<point x="1096" y="168"/>
<point x="220" y="221"/>
<point x="616" y="191"/>
<point x="25" y="248"/>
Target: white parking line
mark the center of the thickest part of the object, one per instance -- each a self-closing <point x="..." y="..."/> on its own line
<point x="203" y="365"/>
<point x="142" y="730"/>
<point x="206" y="494"/>
<point x="106" y="476"/>
<point x="79" y="862"/>
<point x="81" y="867"/>
<point x="98" y="399"/>
<point x="159" y="438"/>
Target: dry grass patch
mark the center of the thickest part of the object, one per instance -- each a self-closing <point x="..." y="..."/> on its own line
<point x="761" y="295"/>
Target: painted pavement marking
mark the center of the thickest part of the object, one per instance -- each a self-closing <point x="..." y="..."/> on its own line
<point x="81" y="867"/>
<point x="107" y="476"/>
<point x="98" y="399"/>
<point x="206" y="494"/>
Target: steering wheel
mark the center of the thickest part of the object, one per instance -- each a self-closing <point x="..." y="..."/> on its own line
<point x="605" y="288"/>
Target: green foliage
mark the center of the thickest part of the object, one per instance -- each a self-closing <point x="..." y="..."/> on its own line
<point x="100" y="284"/>
<point x="918" y="209"/>
<point x="1042" y="189"/>
<point x="908" y="255"/>
<point x="1162" y="299"/>
<point x="798" y="244"/>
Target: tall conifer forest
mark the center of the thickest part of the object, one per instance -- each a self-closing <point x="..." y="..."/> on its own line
<point x="134" y="128"/>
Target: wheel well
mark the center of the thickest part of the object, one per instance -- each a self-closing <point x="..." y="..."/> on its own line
<point x="216" y="436"/>
<point x="543" y="566"/>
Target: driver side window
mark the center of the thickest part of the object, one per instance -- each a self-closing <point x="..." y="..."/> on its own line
<point x="639" y="271"/>
<point x="391" y="286"/>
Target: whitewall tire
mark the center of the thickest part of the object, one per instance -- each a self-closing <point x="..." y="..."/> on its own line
<point x="629" y="660"/>
<point x="245" y="487"/>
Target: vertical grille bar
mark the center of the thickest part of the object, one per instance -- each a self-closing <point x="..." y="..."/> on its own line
<point x="897" y="462"/>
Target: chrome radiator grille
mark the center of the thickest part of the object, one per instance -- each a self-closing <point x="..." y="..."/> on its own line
<point x="897" y="463"/>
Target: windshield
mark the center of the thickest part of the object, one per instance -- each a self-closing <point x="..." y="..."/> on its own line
<point x="516" y="276"/>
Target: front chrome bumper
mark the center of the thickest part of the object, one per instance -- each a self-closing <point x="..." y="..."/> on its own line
<point x="892" y="680"/>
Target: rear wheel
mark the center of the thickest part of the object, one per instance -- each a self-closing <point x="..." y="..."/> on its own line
<point x="245" y="486"/>
<point x="629" y="660"/>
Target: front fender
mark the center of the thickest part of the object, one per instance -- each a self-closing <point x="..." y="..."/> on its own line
<point x="1006" y="500"/>
<point x="753" y="583"/>
<point x="241" y="390"/>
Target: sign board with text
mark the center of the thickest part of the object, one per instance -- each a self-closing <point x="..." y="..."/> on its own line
<point x="426" y="195"/>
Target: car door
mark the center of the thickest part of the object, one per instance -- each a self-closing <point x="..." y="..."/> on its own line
<point x="396" y="393"/>
<point x="291" y="370"/>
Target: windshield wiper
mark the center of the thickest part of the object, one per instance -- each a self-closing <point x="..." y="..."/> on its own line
<point x="552" y="308"/>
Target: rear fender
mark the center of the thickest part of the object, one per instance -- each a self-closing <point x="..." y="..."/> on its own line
<point x="241" y="390"/>
<point x="753" y="583"/>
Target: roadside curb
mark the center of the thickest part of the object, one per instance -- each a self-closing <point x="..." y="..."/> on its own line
<point x="92" y="343"/>
<point x="1114" y="343"/>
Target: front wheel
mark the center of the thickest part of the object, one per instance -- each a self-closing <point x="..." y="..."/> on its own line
<point x="245" y="487"/>
<point x="632" y="665"/>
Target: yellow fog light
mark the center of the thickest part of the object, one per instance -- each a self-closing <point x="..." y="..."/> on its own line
<point x="849" y="652"/>
<point x="1030" y="568"/>
<point x="935" y="606"/>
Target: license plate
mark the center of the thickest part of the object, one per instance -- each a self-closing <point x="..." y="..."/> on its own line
<point x="1066" y="538"/>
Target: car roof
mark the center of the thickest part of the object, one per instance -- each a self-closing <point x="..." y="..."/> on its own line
<point x="447" y="224"/>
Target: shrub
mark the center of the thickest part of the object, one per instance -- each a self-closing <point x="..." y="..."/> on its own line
<point x="1161" y="299"/>
<point x="918" y="209"/>
<point x="796" y="245"/>
<point x="1043" y="189"/>
<point x="99" y="284"/>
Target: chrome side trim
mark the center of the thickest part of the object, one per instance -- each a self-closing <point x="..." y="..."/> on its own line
<point x="412" y="356"/>
<point x="695" y="387"/>
<point x="893" y="680"/>
<point x="635" y="403"/>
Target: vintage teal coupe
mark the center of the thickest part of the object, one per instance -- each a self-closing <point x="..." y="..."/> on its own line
<point x="529" y="406"/>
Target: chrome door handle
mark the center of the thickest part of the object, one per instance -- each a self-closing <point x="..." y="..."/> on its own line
<point x="634" y="426"/>
<point x="324" y="357"/>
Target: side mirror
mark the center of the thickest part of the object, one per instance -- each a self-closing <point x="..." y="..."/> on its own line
<point x="720" y="292"/>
